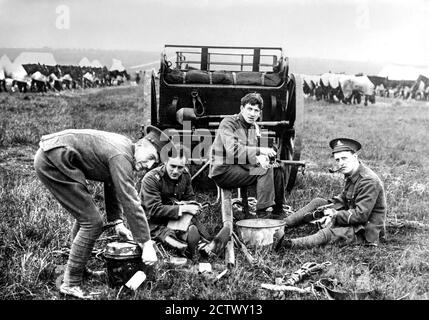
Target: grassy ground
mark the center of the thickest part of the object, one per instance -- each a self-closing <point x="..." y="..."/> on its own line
<point x="33" y="226"/>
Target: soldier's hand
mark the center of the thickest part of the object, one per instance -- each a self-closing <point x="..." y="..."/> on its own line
<point x="328" y="222"/>
<point x="149" y="254"/>
<point x="330" y="212"/>
<point x="263" y="161"/>
<point x="193" y="209"/>
<point x="270" y="152"/>
<point x="123" y="232"/>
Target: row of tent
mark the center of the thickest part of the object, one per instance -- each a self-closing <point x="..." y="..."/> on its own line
<point x="47" y="58"/>
<point x="335" y="87"/>
<point x="348" y="88"/>
<point x="39" y="71"/>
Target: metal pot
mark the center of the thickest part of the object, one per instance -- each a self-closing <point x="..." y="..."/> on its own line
<point x="258" y="232"/>
<point x="123" y="260"/>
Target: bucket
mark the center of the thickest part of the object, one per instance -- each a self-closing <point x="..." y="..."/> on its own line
<point x="258" y="232"/>
<point x="123" y="260"/>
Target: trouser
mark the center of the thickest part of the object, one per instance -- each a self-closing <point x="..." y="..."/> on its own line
<point x="53" y="169"/>
<point x="270" y="183"/>
<point x="305" y="214"/>
<point x="339" y="235"/>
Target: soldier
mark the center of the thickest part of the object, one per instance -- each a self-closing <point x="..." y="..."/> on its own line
<point x="167" y="195"/>
<point x="238" y="160"/>
<point x="358" y="213"/>
<point x="63" y="163"/>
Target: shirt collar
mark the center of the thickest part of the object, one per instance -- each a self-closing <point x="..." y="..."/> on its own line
<point x="244" y="122"/>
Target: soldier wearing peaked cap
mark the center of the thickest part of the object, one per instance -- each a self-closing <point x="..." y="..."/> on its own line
<point x="344" y="144"/>
<point x="357" y="215"/>
<point x="66" y="159"/>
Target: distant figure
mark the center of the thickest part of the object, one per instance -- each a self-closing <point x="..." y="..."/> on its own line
<point x="138" y="77"/>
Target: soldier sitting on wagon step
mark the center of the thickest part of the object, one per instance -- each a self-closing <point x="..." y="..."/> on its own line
<point x="357" y="215"/>
<point x="237" y="159"/>
<point x="167" y="195"/>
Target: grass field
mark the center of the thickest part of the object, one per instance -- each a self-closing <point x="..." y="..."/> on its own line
<point x="34" y="228"/>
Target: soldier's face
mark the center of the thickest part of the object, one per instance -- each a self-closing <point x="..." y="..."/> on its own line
<point x="145" y="155"/>
<point x="175" y="167"/>
<point x="250" y="112"/>
<point x="346" y="161"/>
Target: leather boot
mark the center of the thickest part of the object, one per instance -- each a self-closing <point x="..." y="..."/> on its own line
<point x="192" y="240"/>
<point x="217" y="245"/>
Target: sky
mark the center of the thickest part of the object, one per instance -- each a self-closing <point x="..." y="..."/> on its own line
<point x="394" y="31"/>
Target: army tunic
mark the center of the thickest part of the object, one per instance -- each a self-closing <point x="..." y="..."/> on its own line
<point x="81" y="154"/>
<point x="234" y="164"/>
<point x="362" y="204"/>
<point x="158" y="194"/>
<point x="236" y="142"/>
<point x="63" y="163"/>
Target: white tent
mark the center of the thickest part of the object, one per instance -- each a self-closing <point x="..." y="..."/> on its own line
<point x="117" y="65"/>
<point x="6" y="65"/>
<point x="46" y="58"/>
<point x="96" y="64"/>
<point x="401" y="72"/>
<point x="84" y="62"/>
<point x="19" y="73"/>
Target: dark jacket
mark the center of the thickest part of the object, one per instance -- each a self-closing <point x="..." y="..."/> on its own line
<point x="236" y="142"/>
<point x="363" y="203"/>
<point x="158" y="193"/>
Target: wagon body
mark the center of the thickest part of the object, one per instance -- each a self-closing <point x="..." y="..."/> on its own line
<point x="200" y="85"/>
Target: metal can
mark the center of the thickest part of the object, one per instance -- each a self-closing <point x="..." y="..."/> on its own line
<point x="123" y="260"/>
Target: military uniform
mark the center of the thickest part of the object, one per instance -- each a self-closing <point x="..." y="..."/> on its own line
<point x="158" y="194"/>
<point x="361" y="208"/>
<point x="63" y="163"/>
<point x="233" y="163"/>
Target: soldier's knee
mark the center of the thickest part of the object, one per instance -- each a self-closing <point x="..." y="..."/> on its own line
<point x="39" y="162"/>
<point x="317" y="202"/>
<point x="97" y="225"/>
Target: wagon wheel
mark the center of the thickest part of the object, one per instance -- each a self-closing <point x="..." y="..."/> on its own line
<point x="153" y="103"/>
<point x="291" y="141"/>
